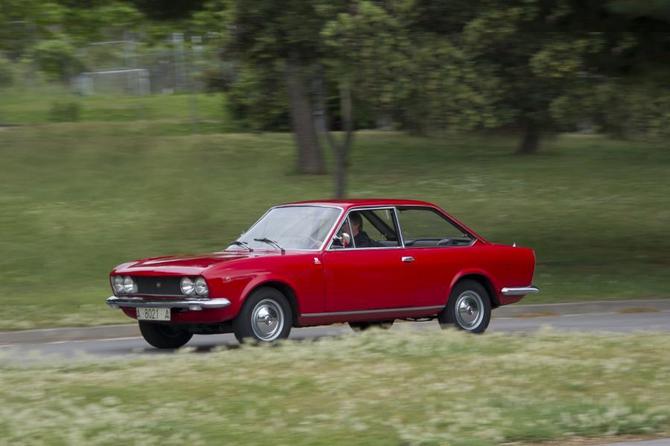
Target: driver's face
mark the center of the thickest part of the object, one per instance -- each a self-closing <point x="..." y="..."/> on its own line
<point x="355" y="228"/>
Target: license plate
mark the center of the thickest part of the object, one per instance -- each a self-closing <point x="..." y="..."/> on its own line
<point x="153" y="314"/>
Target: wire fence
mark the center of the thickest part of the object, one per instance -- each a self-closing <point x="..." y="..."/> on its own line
<point x="130" y="67"/>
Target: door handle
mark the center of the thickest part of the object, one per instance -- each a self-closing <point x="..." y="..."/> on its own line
<point x="407" y="259"/>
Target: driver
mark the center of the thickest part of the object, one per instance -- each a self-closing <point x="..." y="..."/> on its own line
<point x="361" y="238"/>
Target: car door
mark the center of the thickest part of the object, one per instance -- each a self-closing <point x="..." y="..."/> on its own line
<point x="439" y="249"/>
<point x="369" y="275"/>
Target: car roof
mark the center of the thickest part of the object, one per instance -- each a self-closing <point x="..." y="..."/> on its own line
<point x="354" y="202"/>
<point x="349" y="203"/>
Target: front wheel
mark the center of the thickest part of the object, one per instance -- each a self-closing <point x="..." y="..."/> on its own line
<point x="468" y="308"/>
<point x="265" y="317"/>
<point x="164" y="335"/>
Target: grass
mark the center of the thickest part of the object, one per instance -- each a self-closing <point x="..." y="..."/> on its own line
<point x="77" y="199"/>
<point x="171" y="113"/>
<point x="392" y="388"/>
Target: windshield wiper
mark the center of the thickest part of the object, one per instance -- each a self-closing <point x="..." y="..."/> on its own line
<point x="242" y="244"/>
<point x="271" y="242"/>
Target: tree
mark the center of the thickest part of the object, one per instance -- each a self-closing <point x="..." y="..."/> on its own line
<point x="536" y="53"/>
<point x="366" y="57"/>
<point x="589" y="60"/>
<point x="24" y="23"/>
<point x="56" y="58"/>
<point x="268" y="33"/>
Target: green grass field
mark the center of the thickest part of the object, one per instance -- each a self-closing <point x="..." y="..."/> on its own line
<point x="171" y="114"/>
<point x="77" y="199"/>
<point x="392" y="388"/>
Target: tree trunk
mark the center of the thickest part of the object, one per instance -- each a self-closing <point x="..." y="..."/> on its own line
<point x="530" y="143"/>
<point x="310" y="157"/>
<point x="342" y="148"/>
<point x="340" y="174"/>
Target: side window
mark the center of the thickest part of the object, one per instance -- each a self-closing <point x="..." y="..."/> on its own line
<point x="422" y="227"/>
<point x="368" y="228"/>
<point x="374" y="228"/>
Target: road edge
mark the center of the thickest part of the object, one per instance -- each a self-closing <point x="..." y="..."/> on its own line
<point x="66" y="334"/>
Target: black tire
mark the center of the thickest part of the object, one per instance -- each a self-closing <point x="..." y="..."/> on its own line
<point x="474" y="303"/>
<point x="164" y="335"/>
<point x="260" y="311"/>
<point x="362" y="326"/>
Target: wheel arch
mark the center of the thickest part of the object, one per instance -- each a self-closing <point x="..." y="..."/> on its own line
<point x="283" y="287"/>
<point x="483" y="279"/>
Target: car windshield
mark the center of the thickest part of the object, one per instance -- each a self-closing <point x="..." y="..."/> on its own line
<point x="290" y="227"/>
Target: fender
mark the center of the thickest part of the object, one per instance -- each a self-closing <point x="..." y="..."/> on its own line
<point x="495" y="294"/>
<point x="262" y="279"/>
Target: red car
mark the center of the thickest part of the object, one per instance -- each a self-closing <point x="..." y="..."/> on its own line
<point x="365" y="262"/>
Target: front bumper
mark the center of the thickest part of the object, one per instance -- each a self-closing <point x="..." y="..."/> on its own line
<point x="192" y="305"/>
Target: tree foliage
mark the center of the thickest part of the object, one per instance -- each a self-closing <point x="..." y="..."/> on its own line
<point x="425" y="66"/>
<point x="56" y="58"/>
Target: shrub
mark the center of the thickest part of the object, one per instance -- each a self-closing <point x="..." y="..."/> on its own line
<point x="56" y="58"/>
<point x="64" y="112"/>
<point x="257" y="99"/>
<point x="6" y="73"/>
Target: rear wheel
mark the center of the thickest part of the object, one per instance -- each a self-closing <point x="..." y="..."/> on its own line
<point x="362" y="326"/>
<point x="468" y="308"/>
<point x="164" y="335"/>
<point x="265" y="317"/>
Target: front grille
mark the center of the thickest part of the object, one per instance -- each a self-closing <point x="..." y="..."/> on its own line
<point x="158" y="286"/>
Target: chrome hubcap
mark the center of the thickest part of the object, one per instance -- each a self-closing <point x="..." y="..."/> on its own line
<point x="267" y="320"/>
<point x="469" y="310"/>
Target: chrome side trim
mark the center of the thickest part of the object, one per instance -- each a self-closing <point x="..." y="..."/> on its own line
<point x="519" y="291"/>
<point x="193" y="305"/>
<point x="383" y="310"/>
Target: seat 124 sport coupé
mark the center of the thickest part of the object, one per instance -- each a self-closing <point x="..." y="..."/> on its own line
<point x="364" y="262"/>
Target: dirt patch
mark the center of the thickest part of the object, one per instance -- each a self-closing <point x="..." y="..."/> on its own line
<point x="531" y="314"/>
<point x="632" y="310"/>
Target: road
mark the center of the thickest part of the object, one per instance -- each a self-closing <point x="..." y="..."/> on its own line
<point x="591" y="322"/>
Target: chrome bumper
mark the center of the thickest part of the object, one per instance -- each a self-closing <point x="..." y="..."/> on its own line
<point x="193" y="305"/>
<point x="520" y="291"/>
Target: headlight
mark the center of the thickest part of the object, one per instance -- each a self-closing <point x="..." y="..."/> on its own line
<point x="129" y="285"/>
<point x="201" y="287"/>
<point x="117" y="284"/>
<point x="187" y="286"/>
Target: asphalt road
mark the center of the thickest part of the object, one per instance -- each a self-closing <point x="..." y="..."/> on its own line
<point x="591" y="322"/>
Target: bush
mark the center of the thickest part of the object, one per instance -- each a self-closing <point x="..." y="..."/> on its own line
<point x="257" y="100"/>
<point x="218" y="78"/>
<point x="64" y="112"/>
<point x="56" y="58"/>
<point x="623" y="110"/>
<point x="6" y="73"/>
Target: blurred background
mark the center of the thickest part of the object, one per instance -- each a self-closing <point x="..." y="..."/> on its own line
<point x="131" y="129"/>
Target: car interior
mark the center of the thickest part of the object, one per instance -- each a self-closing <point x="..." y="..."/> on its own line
<point x="421" y="228"/>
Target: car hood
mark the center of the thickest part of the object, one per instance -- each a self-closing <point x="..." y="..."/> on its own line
<point x="192" y="264"/>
